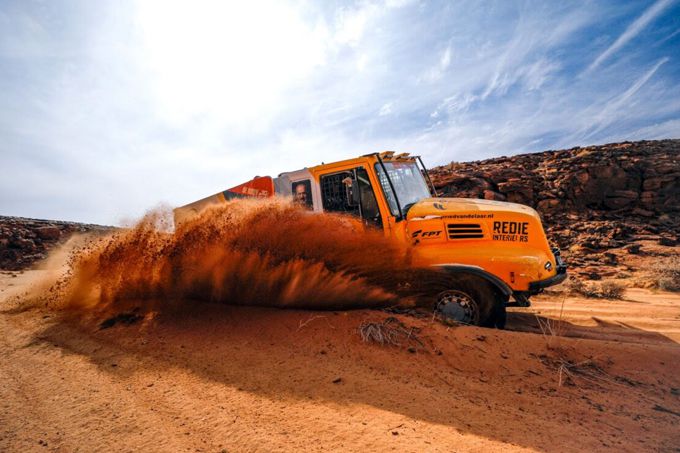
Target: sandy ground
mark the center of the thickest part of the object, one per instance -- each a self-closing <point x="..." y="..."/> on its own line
<point x="218" y="378"/>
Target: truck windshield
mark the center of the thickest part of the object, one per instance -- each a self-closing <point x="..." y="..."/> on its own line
<point x="408" y="182"/>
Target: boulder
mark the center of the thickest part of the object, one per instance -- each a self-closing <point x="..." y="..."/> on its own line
<point x="491" y="195"/>
<point x="22" y="244"/>
<point x="633" y="249"/>
<point x="548" y="204"/>
<point x="48" y="233"/>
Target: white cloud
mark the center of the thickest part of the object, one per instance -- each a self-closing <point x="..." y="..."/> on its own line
<point x="456" y="104"/>
<point x="658" y="131"/>
<point x="445" y="59"/>
<point x="350" y="24"/>
<point x="538" y="73"/>
<point x="524" y="53"/>
<point x="438" y="71"/>
<point x="386" y="109"/>
<point x="632" y="31"/>
<point x="615" y="107"/>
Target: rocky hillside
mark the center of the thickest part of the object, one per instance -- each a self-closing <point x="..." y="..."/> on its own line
<point x="593" y="200"/>
<point x="25" y="241"/>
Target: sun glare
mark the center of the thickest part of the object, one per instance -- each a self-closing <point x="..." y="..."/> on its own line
<point x="228" y="60"/>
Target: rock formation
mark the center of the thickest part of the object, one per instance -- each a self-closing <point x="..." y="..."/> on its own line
<point x="25" y="241"/>
<point x="592" y="199"/>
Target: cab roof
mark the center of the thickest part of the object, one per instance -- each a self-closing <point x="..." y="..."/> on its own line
<point x="386" y="156"/>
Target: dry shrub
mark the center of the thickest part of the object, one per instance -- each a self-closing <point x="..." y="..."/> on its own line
<point x="552" y="329"/>
<point x="667" y="273"/>
<point x="389" y="332"/>
<point x="579" y="287"/>
<point x="570" y="371"/>
<point x="606" y="290"/>
<point x="611" y="290"/>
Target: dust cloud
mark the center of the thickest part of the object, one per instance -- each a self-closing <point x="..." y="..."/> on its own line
<point x="245" y="252"/>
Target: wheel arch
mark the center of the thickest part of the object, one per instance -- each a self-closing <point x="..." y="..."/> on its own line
<point x="462" y="269"/>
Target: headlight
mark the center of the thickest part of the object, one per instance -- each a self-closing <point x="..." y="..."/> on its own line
<point x="548" y="266"/>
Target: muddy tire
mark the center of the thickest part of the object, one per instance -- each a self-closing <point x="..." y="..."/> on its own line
<point x="470" y="300"/>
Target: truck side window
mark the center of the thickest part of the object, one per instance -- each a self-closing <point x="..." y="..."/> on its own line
<point x="350" y="192"/>
<point x="302" y="193"/>
<point x="334" y="193"/>
<point x="369" y="205"/>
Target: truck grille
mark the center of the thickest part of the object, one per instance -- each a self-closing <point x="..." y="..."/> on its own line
<point x="464" y="231"/>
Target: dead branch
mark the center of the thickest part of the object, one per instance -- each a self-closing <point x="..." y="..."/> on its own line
<point x="389" y="332"/>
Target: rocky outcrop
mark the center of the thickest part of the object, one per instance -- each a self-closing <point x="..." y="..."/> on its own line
<point x="641" y="179"/>
<point x="25" y="241"/>
<point x="592" y="199"/>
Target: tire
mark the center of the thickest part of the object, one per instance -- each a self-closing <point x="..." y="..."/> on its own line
<point x="471" y="300"/>
<point x="501" y="314"/>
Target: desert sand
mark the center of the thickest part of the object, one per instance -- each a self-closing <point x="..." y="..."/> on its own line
<point x="213" y="378"/>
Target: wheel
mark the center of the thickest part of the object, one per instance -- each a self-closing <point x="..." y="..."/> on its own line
<point x="471" y="300"/>
<point x="457" y="306"/>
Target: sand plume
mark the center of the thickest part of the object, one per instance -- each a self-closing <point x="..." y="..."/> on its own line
<point x="246" y="252"/>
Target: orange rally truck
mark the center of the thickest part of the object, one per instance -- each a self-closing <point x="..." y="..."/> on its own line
<point x="490" y="251"/>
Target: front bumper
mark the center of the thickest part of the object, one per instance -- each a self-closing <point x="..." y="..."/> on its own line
<point x="559" y="277"/>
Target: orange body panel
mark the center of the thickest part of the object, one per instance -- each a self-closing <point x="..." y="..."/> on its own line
<point x="516" y="251"/>
<point x="512" y="246"/>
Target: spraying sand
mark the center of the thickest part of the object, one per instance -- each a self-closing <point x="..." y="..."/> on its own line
<point x="247" y="252"/>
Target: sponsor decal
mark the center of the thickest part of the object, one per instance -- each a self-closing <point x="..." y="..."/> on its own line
<point x="469" y="216"/>
<point x="253" y="192"/>
<point x="426" y="234"/>
<point x="511" y="231"/>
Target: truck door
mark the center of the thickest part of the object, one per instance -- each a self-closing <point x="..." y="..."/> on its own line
<point x="350" y="192"/>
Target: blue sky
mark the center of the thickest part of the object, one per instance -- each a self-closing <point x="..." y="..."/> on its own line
<point x="108" y="108"/>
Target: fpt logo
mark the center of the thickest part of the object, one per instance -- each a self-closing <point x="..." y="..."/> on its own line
<point x="425" y="234"/>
